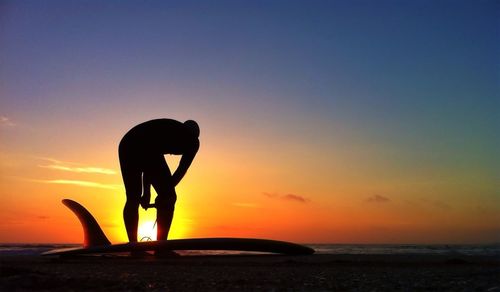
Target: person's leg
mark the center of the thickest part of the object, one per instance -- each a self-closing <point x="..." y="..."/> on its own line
<point x="161" y="180"/>
<point x="165" y="206"/>
<point x="132" y="179"/>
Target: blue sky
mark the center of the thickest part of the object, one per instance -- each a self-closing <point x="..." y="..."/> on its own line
<point x="399" y="72"/>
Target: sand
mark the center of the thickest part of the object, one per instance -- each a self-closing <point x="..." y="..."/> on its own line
<point x="252" y="273"/>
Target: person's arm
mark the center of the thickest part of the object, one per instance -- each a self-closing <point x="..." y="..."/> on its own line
<point x="186" y="160"/>
<point x="146" y="194"/>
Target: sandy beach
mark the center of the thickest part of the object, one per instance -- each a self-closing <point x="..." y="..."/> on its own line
<point x="253" y="272"/>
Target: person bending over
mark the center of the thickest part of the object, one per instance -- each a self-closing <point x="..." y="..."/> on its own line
<point x="142" y="164"/>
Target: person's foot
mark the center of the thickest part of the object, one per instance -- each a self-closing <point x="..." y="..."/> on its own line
<point x="166" y="254"/>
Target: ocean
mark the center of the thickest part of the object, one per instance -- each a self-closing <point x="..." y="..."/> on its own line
<point x="11" y="249"/>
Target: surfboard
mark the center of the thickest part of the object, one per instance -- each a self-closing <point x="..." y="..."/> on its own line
<point x="96" y="242"/>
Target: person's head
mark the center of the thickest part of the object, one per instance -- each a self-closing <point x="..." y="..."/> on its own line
<point x="192" y="127"/>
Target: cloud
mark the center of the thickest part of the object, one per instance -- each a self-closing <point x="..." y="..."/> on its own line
<point x="98" y="170"/>
<point x="82" y="183"/>
<point x="287" y="197"/>
<point x="294" y="197"/>
<point x="5" y="121"/>
<point x="270" y="195"/>
<point x="75" y="167"/>
<point x="378" y="199"/>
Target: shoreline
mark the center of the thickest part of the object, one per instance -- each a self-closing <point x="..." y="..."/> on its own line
<point x="252" y="272"/>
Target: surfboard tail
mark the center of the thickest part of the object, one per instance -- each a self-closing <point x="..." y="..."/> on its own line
<point x="92" y="232"/>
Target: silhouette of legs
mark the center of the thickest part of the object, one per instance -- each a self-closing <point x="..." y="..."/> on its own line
<point x="161" y="179"/>
<point x="133" y="164"/>
<point x="132" y="178"/>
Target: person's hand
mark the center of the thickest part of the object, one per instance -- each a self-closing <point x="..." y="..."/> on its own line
<point x="145" y="201"/>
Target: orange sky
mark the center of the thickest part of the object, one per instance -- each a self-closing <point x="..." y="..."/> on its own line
<point x="253" y="190"/>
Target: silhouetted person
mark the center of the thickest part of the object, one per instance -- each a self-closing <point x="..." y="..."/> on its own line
<point x="142" y="164"/>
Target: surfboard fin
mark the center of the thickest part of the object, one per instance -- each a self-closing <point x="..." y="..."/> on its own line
<point x="92" y="232"/>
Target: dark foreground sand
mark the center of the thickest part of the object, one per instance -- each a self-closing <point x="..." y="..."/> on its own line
<point x="253" y="273"/>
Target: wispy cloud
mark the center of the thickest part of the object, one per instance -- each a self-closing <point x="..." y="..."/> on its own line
<point x="288" y="197"/>
<point x="75" y="167"/>
<point x="5" y="121"/>
<point x="82" y="183"/>
<point x="270" y="195"/>
<point x="98" y="170"/>
<point x="378" y="199"/>
<point x="294" y="197"/>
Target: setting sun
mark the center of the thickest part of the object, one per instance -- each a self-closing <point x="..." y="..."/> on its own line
<point x="147" y="231"/>
<point x="147" y="227"/>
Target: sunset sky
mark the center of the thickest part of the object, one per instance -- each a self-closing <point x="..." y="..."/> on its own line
<point x="321" y="121"/>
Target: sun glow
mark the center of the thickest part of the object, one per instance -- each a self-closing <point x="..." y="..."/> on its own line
<point x="147" y="231"/>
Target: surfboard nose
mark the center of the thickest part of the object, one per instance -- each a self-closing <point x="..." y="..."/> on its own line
<point x="92" y="232"/>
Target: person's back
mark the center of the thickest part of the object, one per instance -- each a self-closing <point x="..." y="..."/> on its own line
<point x="161" y="135"/>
